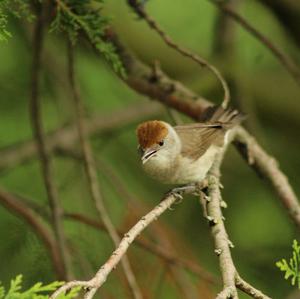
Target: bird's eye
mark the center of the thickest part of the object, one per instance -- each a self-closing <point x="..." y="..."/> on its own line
<point x="161" y="143"/>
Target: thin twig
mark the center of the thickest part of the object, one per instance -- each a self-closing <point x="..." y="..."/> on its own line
<point x="156" y="249"/>
<point x="92" y="175"/>
<point x="284" y="58"/>
<point x="249" y="289"/>
<point x="37" y="127"/>
<point x="141" y="12"/>
<point x="101" y="276"/>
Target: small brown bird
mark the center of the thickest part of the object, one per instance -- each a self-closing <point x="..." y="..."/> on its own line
<point x="184" y="154"/>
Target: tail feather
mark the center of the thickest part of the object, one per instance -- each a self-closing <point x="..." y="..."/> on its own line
<point x="229" y="117"/>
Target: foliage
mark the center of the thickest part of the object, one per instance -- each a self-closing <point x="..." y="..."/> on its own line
<point x="73" y="16"/>
<point x="292" y="268"/>
<point x="16" y="8"/>
<point x="37" y="291"/>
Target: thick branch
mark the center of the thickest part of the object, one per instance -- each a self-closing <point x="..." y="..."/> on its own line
<point x="37" y="127"/>
<point x="101" y="276"/>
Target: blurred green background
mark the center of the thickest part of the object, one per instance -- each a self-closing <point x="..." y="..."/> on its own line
<point x="256" y="222"/>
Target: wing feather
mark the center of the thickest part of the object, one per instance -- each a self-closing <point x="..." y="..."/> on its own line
<point x="197" y="138"/>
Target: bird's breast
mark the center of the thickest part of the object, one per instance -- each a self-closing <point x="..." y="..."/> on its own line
<point x="181" y="170"/>
<point x="161" y="168"/>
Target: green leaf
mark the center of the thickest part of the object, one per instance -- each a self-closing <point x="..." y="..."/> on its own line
<point x="291" y="269"/>
<point x="76" y="16"/>
<point x="16" y="8"/>
<point x="37" y="291"/>
<point x="15" y="286"/>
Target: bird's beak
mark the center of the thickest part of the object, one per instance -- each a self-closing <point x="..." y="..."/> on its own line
<point x="148" y="154"/>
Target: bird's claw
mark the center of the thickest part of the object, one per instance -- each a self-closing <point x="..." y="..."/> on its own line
<point x="176" y="193"/>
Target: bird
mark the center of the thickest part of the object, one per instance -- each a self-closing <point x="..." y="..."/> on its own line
<point x="183" y="154"/>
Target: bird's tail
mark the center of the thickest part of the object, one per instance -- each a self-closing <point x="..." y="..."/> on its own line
<point x="229" y="117"/>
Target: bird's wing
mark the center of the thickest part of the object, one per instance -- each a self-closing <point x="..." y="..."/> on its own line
<point x="197" y="138"/>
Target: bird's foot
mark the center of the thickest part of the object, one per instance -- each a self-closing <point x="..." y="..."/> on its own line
<point x="201" y="188"/>
<point x="179" y="191"/>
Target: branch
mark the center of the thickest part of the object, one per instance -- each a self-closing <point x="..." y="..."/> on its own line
<point x="284" y="59"/>
<point x="92" y="175"/>
<point x="140" y="11"/>
<point x="18" y="207"/>
<point x="249" y="289"/>
<point x="96" y="282"/>
<point x="37" y="128"/>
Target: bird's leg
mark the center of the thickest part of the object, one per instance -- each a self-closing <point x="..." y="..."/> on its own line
<point x="179" y="191"/>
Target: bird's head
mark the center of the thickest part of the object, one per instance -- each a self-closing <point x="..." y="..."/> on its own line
<point x="157" y="139"/>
